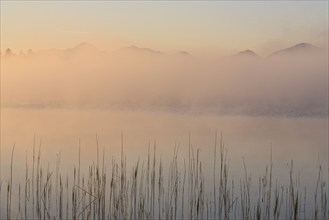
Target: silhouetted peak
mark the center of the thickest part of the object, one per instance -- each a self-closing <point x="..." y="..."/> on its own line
<point x="184" y="53"/>
<point x="301" y="47"/>
<point x="247" y="53"/>
<point x="82" y="49"/>
<point x="83" y="46"/>
<point x="139" y="50"/>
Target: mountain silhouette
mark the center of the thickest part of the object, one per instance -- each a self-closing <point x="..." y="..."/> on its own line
<point x="82" y="48"/>
<point x="139" y="50"/>
<point x="184" y="53"/>
<point x="298" y="48"/>
<point x="246" y="53"/>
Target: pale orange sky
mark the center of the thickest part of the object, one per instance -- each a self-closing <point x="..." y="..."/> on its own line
<point x="199" y="27"/>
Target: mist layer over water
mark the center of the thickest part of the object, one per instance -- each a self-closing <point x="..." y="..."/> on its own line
<point x="288" y="84"/>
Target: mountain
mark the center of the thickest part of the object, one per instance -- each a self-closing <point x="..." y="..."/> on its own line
<point x="139" y="50"/>
<point x="83" y="48"/>
<point x="184" y="54"/>
<point x="247" y="53"/>
<point x="298" y="48"/>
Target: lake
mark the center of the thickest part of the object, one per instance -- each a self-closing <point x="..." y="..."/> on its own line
<point x="303" y="140"/>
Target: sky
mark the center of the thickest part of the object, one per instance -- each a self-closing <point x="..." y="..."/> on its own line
<point x="200" y="27"/>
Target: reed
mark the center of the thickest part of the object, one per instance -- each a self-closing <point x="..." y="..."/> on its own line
<point x="152" y="189"/>
<point x="10" y="186"/>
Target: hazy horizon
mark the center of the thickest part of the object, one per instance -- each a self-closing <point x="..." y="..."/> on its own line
<point x="141" y="47"/>
<point x="198" y="27"/>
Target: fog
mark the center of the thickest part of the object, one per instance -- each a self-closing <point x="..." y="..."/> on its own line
<point x="64" y="101"/>
<point x="83" y="77"/>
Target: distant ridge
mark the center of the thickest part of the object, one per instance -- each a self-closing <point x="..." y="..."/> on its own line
<point x="82" y="48"/>
<point x="135" y="49"/>
<point x="184" y="53"/>
<point x="246" y="53"/>
<point x="84" y="45"/>
<point x="301" y="47"/>
<point x="85" y="48"/>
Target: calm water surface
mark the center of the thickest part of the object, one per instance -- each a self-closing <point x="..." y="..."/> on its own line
<point x="304" y="140"/>
<point x="59" y="131"/>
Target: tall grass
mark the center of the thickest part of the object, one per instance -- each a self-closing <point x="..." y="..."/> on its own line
<point x="152" y="189"/>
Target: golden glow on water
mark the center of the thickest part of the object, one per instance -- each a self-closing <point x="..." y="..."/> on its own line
<point x="59" y="130"/>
